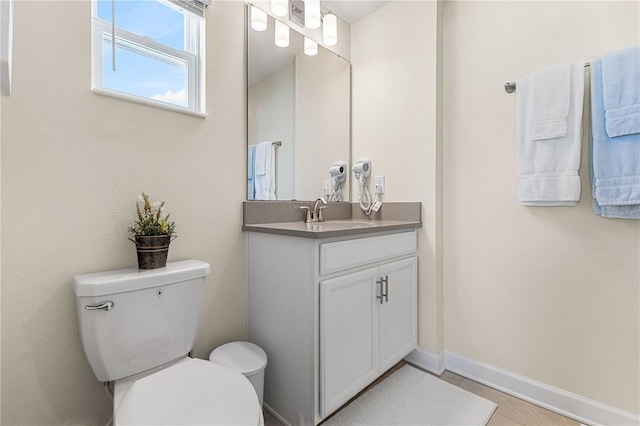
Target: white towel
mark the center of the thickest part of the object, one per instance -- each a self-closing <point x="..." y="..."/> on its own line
<point x="550" y="89"/>
<point x="548" y="168"/>
<point x="265" y="183"/>
<point x="261" y="160"/>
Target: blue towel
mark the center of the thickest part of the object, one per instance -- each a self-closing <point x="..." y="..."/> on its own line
<point x="615" y="162"/>
<point x="621" y="91"/>
<point x="251" y="189"/>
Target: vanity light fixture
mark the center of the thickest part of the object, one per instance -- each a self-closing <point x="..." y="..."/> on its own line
<point x="305" y="13"/>
<point x="282" y="34"/>
<point x="296" y="12"/>
<point x="258" y="19"/>
<point x="330" y="29"/>
<point x="280" y="7"/>
<point x="312" y="16"/>
<point x="310" y="47"/>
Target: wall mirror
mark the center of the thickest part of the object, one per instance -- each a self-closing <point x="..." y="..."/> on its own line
<point x="301" y="104"/>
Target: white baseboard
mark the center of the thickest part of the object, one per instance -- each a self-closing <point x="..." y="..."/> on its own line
<point x="427" y="360"/>
<point x="560" y="401"/>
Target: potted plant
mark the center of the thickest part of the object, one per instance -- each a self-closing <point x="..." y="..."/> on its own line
<point x="152" y="233"/>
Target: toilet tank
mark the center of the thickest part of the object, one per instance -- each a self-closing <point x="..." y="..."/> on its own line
<point x="152" y="319"/>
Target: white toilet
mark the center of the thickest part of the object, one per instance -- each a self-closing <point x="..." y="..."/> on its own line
<point x="137" y="328"/>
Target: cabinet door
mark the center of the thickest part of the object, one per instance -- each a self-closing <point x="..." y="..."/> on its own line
<point x="348" y="337"/>
<point x="399" y="312"/>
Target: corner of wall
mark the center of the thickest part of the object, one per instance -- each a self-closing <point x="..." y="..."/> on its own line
<point x="439" y="178"/>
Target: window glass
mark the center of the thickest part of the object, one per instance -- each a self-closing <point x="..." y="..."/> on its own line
<point x="147" y="18"/>
<point x="159" y="58"/>
<point x="145" y="75"/>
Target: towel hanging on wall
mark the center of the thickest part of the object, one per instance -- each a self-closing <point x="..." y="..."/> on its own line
<point x="621" y="91"/>
<point x="551" y="97"/>
<point x="549" y="155"/>
<point x="615" y="139"/>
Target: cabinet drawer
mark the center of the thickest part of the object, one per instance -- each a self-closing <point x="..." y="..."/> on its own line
<point x="343" y="255"/>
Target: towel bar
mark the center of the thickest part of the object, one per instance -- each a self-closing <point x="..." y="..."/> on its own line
<point x="511" y="87"/>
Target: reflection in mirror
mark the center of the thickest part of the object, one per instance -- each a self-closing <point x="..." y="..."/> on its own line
<point x="302" y="103"/>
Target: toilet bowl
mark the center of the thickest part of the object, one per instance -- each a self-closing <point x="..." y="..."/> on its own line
<point x="190" y="392"/>
<point x="137" y="327"/>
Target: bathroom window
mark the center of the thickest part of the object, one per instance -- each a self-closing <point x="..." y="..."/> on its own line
<point x="159" y="53"/>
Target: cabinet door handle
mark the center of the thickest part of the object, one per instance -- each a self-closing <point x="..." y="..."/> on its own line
<point x="386" y="288"/>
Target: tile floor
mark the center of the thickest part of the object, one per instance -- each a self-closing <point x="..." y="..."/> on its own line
<point x="510" y="411"/>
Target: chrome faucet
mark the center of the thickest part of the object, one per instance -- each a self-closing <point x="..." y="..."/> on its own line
<point x="316" y="214"/>
<point x="317" y="209"/>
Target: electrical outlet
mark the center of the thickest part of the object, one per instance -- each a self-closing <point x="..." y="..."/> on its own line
<point x="379" y="183"/>
<point x="326" y="188"/>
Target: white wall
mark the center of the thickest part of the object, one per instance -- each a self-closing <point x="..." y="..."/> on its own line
<point x="548" y="293"/>
<point x="72" y="165"/>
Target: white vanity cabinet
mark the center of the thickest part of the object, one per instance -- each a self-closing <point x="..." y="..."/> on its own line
<point x="368" y="318"/>
<point x="332" y="315"/>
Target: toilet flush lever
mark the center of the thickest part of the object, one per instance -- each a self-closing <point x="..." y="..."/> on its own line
<point x="106" y="306"/>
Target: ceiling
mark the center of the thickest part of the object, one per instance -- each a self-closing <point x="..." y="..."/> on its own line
<point x="353" y="10"/>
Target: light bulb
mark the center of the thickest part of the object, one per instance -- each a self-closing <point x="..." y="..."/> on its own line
<point x="258" y="19"/>
<point x="282" y="34"/>
<point x="310" y="47"/>
<point x="312" y="14"/>
<point x="279" y="7"/>
<point x="330" y="30"/>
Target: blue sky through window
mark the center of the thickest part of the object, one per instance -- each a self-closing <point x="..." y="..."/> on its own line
<point x="144" y="76"/>
<point x="139" y="74"/>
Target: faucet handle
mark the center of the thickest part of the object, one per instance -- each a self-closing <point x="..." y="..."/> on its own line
<point x="320" y="218"/>
<point x="307" y="218"/>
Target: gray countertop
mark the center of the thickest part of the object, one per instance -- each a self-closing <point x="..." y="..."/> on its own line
<point x="331" y="228"/>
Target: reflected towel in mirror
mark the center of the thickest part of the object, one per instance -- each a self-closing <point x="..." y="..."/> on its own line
<point x="265" y="171"/>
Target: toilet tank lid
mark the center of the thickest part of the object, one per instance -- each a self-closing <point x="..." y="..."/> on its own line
<point x="130" y="279"/>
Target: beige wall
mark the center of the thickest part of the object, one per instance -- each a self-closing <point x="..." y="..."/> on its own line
<point x="548" y="293"/>
<point x="551" y="294"/>
<point x="394" y="68"/>
<point x="72" y="165"/>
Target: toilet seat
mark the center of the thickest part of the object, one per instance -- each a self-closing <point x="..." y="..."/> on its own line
<point x="188" y="393"/>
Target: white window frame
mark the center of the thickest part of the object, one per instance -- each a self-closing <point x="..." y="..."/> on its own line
<point x="192" y="57"/>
